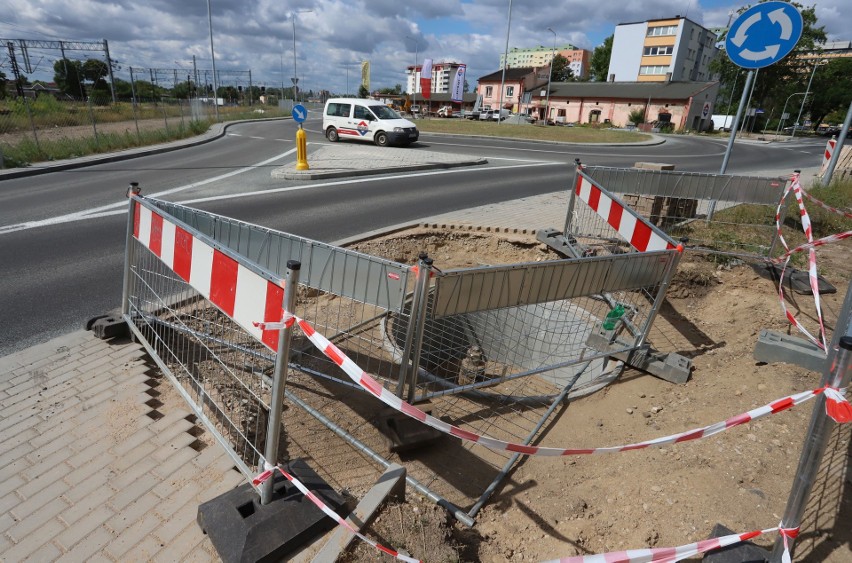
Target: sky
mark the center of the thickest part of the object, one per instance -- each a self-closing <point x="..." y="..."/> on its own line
<point x="334" y="36"/>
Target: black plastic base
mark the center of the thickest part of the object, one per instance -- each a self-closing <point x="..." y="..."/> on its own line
<point x="243" y="530"/>
<point x="745" y="552"/>
<point x="108" y="326"/>
<point x="402" y="433"/>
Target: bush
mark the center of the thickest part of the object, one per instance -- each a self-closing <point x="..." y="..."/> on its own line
<point x="636" y="116"/>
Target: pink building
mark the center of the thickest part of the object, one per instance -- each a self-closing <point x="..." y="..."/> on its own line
<point x="517" y="80"/>
<point x="686" y="105"/>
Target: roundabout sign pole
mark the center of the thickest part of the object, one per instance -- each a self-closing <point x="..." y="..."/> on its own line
<point x="761" y="36"/>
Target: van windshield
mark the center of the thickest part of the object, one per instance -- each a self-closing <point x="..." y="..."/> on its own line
<point x="384" y="112"/>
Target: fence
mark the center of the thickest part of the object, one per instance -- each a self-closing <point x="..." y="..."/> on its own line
<point x="196" y="282"/>
<point x="45" y="128"/>
<point x="722" y="214"/>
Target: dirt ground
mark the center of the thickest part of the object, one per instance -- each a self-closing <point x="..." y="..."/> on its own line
<point x="657" y="497"/>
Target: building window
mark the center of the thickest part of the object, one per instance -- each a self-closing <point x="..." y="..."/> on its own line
<point x="510" y="90"/>
<point x="489" y="90"/>
<point x="662" y="30"/>
<point x="653" y="69"/>
<point x="660" y="50"/>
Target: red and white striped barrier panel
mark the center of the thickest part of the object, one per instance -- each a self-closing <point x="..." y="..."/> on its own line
<point x="826" y="156"/>
<point x="369" y="384"/>
<point x="240" y="293"/>
<point x="629" y="225"/>
<point x="327" y="511"/>
<point x="671" y="554"/>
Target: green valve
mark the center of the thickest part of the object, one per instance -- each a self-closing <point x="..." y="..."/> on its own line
<point x="612" y="317"/>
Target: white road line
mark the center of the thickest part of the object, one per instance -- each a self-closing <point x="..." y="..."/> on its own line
<point x="104" y="211"/>
<point x="234" y="135"/>
<point x="98" y="211"/>
<point x="569" y="150"/>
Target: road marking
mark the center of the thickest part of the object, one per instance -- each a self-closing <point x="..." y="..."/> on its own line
<point x="573" y="149"/>
<point x="234" y="135"/>
<point x="99" y="211"/>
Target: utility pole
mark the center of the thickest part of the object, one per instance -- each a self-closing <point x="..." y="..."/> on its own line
<point x="195" y="74"/>
<point x="213" y="58"/>
<point x="505" y="64"/>
<point x="16" y="72"/>
<point x="109" y="67"/>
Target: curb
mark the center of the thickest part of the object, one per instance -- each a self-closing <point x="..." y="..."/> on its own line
<point x="656" y="141"/>
<point x="45" y="167"/>
<point x="345" y="173"/>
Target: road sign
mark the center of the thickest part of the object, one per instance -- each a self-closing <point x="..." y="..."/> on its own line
<point x="300" y="114"/>
<point x="763" y="34"/>
<point x="705" y="111"/>
<point x="295" y="80"/>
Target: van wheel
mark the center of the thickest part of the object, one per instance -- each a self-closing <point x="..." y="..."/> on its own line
<point x="331" y="135"/>
<point x="381" y="139"/>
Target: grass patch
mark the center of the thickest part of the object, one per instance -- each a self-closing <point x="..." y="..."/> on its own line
<point x="532" y="132"/>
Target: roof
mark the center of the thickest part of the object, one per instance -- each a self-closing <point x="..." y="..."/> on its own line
<point x="627" y="90"/>
<point x="511" y="74"/>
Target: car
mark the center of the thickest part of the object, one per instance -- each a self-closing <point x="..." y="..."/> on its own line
<point x="473" y="114"/>
<point x="791" y="128"/>
<point x="366" y="120"/>
<point x="486" y="115"/>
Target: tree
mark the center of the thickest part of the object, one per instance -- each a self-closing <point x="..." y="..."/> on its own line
<point x="830" y="89"/>
<point x="68" y="76"/>
<point x="599" y="63"/>
<point x="561" y="72"/>
<point x="363" y="92"/>
<point x="3" y="92"/>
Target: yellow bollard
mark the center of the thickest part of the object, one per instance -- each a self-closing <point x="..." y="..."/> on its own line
<point x="301" y="150"/>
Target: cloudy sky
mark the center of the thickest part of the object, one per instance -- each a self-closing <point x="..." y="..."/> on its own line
<point x="334" y="35"/>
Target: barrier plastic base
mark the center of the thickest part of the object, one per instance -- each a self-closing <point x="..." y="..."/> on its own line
<point x="243" y="530"/>
<point x="403" y="433"/>
<point x="108" y="326"/>
<point x="745" y="552"/>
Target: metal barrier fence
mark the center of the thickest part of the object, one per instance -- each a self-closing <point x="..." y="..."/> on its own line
<point x="195" y="283"/>
<point x="723" y="214"/>
<point x="46" y="128"/>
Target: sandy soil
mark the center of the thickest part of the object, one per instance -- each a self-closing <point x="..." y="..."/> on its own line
<point x="657" y="497"/>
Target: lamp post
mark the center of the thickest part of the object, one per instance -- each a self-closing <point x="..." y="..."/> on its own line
<point x="213" y="58"/>
<point x="414" y="74"/>
<point x="505" y="64"/>
<point x="549" y="78"/>
<point x="296" y="74"/>
<point x="783" y="111"/>
<point x="807" y="91"/>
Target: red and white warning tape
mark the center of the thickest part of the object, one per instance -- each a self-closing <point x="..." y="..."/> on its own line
<point x="672" y="554"/>
<point x="326" y="510"/>
<point x="796" y="188"/>
<point x="367" y="382"/>
<point x="827" y="207"/>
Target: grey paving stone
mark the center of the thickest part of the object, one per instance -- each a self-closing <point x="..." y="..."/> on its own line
<point x="38" y="522"/>
<point x="122" y="544"/>
<point x="26" y="550"/>
<point x="88" y="546"/>
<point x="84" y="526"/>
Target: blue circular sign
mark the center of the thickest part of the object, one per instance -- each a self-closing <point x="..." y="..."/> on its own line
<point x="300" y="114"/>
<point x="764" y="34"/>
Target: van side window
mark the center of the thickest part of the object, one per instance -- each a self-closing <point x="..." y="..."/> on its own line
<point x="338" y="110"/>
<point x="363" y="113"/>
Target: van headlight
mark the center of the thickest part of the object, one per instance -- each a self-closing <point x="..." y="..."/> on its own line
<point x="398" y="130"/>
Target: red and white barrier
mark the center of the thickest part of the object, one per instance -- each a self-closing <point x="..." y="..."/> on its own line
<point x="240" y="293"/>
<point x="671" y="554"/>
<point x="826" y="156"/>
<point x="369" y="384"/>
<point x="629" y="225"/>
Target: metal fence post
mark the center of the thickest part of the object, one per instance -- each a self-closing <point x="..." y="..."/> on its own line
<point x="837" y="375"/>
<point x="92" y="117"/>
<point x="279" y="379"/>
<point x="425" y="270"/>
<point x="420" y="282"/>
<point x="133" y="190"/>
<point x="32" y="123"/>
<point x="661" y="295"/>
<point x="572" y="194"/>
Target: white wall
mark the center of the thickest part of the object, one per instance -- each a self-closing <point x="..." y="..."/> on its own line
<point x="627" y="51"/>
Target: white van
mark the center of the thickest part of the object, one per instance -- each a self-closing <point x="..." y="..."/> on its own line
<point x="366" y="120"/>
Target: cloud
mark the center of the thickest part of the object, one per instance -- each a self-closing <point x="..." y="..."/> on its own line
<point x="258" y="34"/>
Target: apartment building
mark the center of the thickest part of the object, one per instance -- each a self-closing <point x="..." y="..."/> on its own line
<point x="536" y="57"/>
<point x="443" y="74"/>
<point x="672" y="49"/>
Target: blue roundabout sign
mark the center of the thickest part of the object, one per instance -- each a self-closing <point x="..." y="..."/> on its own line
<point x="764" y="34"/>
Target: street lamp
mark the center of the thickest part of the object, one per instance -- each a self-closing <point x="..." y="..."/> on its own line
<point x="296" y="74"/>
<point x="784" y="111"/>
<point x="213" y="58"/>
<point x="505" y="64"/>
<point x="807" y="91"/>
<point x="549" y="78"/>
<point x="414" y="73"/>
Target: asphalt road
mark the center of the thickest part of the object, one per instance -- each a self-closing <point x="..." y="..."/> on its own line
<point x="62" y="233"/>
